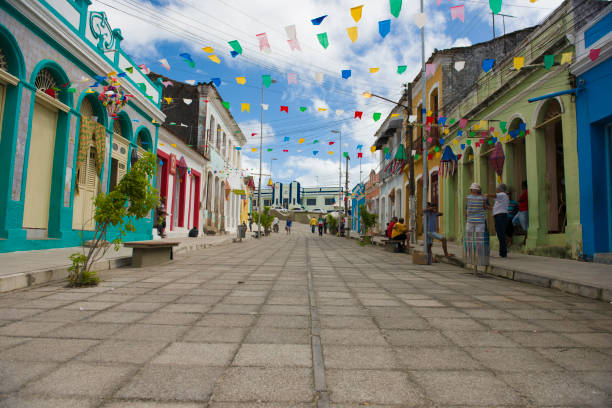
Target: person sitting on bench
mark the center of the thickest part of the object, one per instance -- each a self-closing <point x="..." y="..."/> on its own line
<point x="398" y="233"/>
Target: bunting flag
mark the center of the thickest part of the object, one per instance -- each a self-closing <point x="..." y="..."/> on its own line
<point x="187" y="58"/>
<point x="495" y="5"/>
<point x="264" y="45"/>
<point x="331" y="143"/>
<point x="130" y="70"/>
<point x="190" y="81"/>
<point x="315" y="152"/>
<point x="376" y="116"/>
<point x="318" y="20"/>
<point x="339" y="112"/>
<point x="331" y="152"/>
<point x="458" y="12"/>
<point x="209" y="50"/>
<point x="164" y="63"/>
<point x="301" y="140"/>
<point x="291" y="32"/>
<point x="519" y="62"/>
<point x="286" y="139"/>
<point x="303" y="108"/>
<point x="285" y="150"/>
<point x="359" y="155"/>
<point x="384" y="27"/>
<point x="566" y="58"/>
<point x="420" y="20"/>
<point x="253" y="134"/>
<point x="284" y="109"/>
<point x="291" y="78"/>
<point x="396" y="7"/>
<point x="238" y="148"/>
<point x="266" y="80"/>
<point x="187" y="101"/>
<point x="374" y="70"/>
<point x="168" y="100"/>
<point x="358" y="114"/>
<point x="346" y="73"/>
<point x="167" y="83"/>
<point x="356" y="13"/>
<point x="430" y="69"/>
<point x="241" y="80"/>
<point x="459" y="65"/>
<point x="144" y="69"/>
<point x="235" y="46"/>
<point x="264" y="106"/>
<point x="373" y="149"/>
<point x="549" y="61"/>
<point x="487" y="64"/>
<point x="294" y="45"/>
<point x="245" y="107"/>
<point x="463" y="123"/>
<point x="315" y="141"/>
<point x="214" y="59"/>
<point x="234" y="54"/>
<point x="594" y="53"/>
<point x="253" y="149"/>
<point x="323" y="40"/>
<point x="352" y="33"/>
<point x="226" y="105"/>
<point x="216" y="81"/>
<point x="318" y="76"/>
<point x="401" y="69"/>
<point x="322" y="109"/>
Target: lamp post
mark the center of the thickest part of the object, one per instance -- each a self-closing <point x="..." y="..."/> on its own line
<point x="271" y="161"/>
<point x="339" y="169"/>
<point x="260" y="157"/>
<point x="424" y="141"/>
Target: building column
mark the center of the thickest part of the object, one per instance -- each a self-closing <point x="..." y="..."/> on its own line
<point x="535" y="158"/>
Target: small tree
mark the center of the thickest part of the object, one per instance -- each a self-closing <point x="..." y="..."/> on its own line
<point x="332" y="224"/>
<point x="368" y="220"/>
<point x="266" y="219"/>
<point x="133" y="198"/>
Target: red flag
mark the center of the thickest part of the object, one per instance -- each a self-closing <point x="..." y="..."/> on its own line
<point x="284" y="109"/>
<point x="285" y="150"/>
<point x="331" y="143"/>
<point x="358" y="114"/>
<point x="430" y="120"/>
<point x="253" y="134"/>
<point x="359" y="155"/>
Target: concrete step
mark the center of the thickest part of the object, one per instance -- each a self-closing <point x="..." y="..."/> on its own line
<point x="604" y="258"/>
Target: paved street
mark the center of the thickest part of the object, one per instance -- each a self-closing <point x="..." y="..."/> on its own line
<point x="302" y="321"/>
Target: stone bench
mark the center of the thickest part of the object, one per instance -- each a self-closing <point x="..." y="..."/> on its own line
<point x="148" y="253"/>
<point x="391" y="245"/>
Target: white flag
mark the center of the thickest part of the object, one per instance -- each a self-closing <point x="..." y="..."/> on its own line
<point x="187" y="101"/>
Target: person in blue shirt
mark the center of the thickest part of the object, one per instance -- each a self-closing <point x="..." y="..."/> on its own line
<point x="431" y="215"/>
<point x="288" y="226"/>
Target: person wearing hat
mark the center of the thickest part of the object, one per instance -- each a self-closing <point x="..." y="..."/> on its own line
<point x="476" y="207"/>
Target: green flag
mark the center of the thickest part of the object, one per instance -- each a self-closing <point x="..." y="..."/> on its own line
<point x="323" y="40"/>
<point x="502" y="126"/>
<point x="401" y="153"/>
<point x="376" y="116"/>
<point x="386" y="150"/>
<point x="130" y="70"/>
<point x="142" y="86"/>
<point x="495" y="5"/>
<point x="452" y="120"/>
<point x="315" y="141"/>
<point x="267" y="80"/>
<point x="401" y="69"/>
<point x="236" y="46"/>
<point x="303" y="108"/>
<point x="469" y="142"/>
<point x="269" y="149"/>
<point x="226" y="105"/>
<point x="345" y="154"/>
<point x="396" y="7"/>
<point x="549" y="61"/>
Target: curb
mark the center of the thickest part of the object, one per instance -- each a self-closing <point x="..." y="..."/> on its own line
<point x="24" y="280"/>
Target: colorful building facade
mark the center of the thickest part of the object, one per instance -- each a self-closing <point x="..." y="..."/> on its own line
<point x="59" y="147"/>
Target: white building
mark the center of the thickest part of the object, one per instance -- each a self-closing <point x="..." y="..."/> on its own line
<point x="294" y="195"/>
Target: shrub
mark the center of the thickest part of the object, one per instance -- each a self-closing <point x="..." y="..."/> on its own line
<point x="266" y="219"/>
<point x="332" y="224"/>
<point x="368" y="219"/>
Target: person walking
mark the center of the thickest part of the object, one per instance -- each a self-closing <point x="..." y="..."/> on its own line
<point x="288" y="226"/>
<point x="161" y="214"/>
<point x="512" y="211"/>
<point x="500" y="216"/>
<point x="522" y="218"/>
<point x="313" y="224"/>
<point x="431" y="215"/>
<point x="475" y="210"/>
<point x="251" y="224"/>
<point x="321" y="224"/>
<point x="324" y="225"/>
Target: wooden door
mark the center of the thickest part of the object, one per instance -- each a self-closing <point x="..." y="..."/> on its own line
<point x="88" y="185"/>
<point x="40" y="167"/>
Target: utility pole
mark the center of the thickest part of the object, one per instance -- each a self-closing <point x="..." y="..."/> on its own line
<point x="493" y="18"/>
<point x="424" y="141"/>
<point x="407" y="128"/>
<point x="346" y="216"/>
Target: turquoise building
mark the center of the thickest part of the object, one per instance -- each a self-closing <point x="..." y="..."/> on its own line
<point x="357" y="199"/>
<point x="59" y="147"/>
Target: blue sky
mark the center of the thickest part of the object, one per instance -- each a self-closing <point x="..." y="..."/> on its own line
<point x="164" y="29"/>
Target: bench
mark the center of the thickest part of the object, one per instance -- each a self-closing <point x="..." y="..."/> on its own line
<point x="392" y="245"/>
<point x="147" y="253"/>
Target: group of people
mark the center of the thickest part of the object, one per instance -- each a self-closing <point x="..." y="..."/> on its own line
<point x="507" y="213"/>
<point x="321" y="223"/>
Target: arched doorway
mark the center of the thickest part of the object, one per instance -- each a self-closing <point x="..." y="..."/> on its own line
<point x="48" y="117"/>
<point x="516" y="162"/>
<point x="549" y="127"/>
<point x="419" y="205"/>
<point x="487" y="179"/>
<point x="209" y="198"/>
<point x="90" y="158"/>
<point x="119" y="150"/>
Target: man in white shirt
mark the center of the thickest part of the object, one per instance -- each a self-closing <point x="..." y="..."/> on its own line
<point x="500" y="215"/>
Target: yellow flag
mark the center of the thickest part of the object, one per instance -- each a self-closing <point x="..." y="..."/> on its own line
<point x="168" y="100"/>
<point x="173" y="144"/>
<point x="373" y="149"/>
<point x="208" y="50"/>
<point x="113" y="73"/>
<point x="331" y="152"/>
<point x="352" y="33"/>
<point x="253" y="149"/>
<point x="483" y="124"/>
<point x="356" y="13"/>
<point x="161" y="144"/>
<point x="519" y="62"/>
<point x="393" y="115"/>
<point x="89" y="90"/>
<point x="438" y="155"/>
<point x="241" y="80"/>
<point x="566" y="57"/>
<point x="446" y="131"/>
<point x="214" y="58"/>
<point x="476" y="126"/>
<point x="496" y="133"/>
<point x="245" y="107"/>
<point x="429" y="113"/>
<point x="301" y="141"/>
<point x="322" y="109"/>
<point x="374" y="70"/>
<point x="455" y="142"/>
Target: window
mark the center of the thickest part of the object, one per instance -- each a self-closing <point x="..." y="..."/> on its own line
<point x="329" y="201"/>
<point x="311" y="201"/>
<point x="45" y="82"/>
<point x="266" y="202"/>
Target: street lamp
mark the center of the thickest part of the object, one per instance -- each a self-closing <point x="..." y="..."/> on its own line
<point x="271" y="183"/>
<point x="260" y="157"/>
<point x="339" y="167"/>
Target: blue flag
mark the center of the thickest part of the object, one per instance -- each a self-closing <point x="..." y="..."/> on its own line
<point x="216" y="81"/>
<point x="384" y="27"/>
<point x="346" y="73"/>
<point x="318" y="20"/>
<point x="487" y="64"/>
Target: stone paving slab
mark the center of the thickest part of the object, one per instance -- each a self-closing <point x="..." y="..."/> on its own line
<point x="302" y="321"/>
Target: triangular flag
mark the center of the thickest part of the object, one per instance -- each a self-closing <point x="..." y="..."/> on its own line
<point x="323" y="40"/>
<point x="358" y="114"/>
<point x="463" y="123"/>
<point x="315" y="141"/>
<point x="346" y="73"/>
<point x="594" y="53"/>
<point x="487" y="64"/>
<point x="291" y="78"/>
<point x="208" y="50"/>
<point x="301" y="140"/>
<point x="214" y="58"/>
<point x="339" y="112"/>
<point x="345" y="154"/>
<point x="322" y="109"/>
<point x="187" y="101"/>
<point x="167" y="83"/>
<point x="420" y="20"/>
<point x="519" y="62"/>
<point x="401" y="69"/>
<point x="284" y="109"/>
<point x="458" y="12"/>
<point x="495" y="5"/>
<point x="566" y="57"/>
<point x="374" y="70"/>
<point x="266" y="80"/>
<point x="294" y="45"/>
<point x="253" y="149"/>
<point x="352" y="33"/>
<point x="164" y="63"/>
<point x="241" y="80"/>
<point x="396" y="7"/>
<point x="549" y="61"/>
<point x="130" y="70"/>
<point x="235" y="46"/>
<point x="318" y="76"/>
<point x="264" y="44"/>
<point x="376" y="116"/>
<point x="253" y="134"/>
<point x="168" y="100"/>
<point x="245" y="107"/>
<point x="459" y="65"/>
<point x="216" y="81"/>
<point x="331" y="143"/>
<point x="234" y="54"/>
<point x="190" y="81"/>
<point x="384" y="27"/>
<point x="226" y="105"/>
<point x="314" y="152"/>
<point x="303" y="108"/>
<point x="291" y="33"/>
<point x="359" y="155"/>
<point x="318" y="20"/>
<point x="356" y="13"/>
<point x="286" y="139"/>
<point x="264" y="106"/>
<point x="331" y="152"/>
<point x="373" y="149"/>
<point x="502" y="126"/>
<point x="269" y="149"/>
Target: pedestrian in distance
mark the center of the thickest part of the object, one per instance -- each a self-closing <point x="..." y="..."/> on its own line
<point x="325" y="225"/>
<point x="431" y="216"/>
<point x="320" y="223"/>
<point x="522" y="218"/>
<point x="275" y="224"/>
<point x="500" y="217"/>
<point x="288" y="226"/>
<point x="160" y="213"/>
<point x="476" y="207"/>
<point x="251" y="224"/>
<point x="313" y="224"/>
<point x="512" y="211"/>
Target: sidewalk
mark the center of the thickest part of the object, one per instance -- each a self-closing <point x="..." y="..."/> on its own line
<point x="27" y="268"/>
<point x="592" y="280"/>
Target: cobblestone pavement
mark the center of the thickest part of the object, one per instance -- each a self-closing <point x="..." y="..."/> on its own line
<point x="302" y="321"/>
